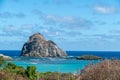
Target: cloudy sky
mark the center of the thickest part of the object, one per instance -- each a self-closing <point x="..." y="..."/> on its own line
<point x="73" y="24"/>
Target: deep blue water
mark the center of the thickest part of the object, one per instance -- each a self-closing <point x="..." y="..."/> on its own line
<point x="104" y="54"/>
<point x="58" y="64"/>
<point x="11" y="52"/>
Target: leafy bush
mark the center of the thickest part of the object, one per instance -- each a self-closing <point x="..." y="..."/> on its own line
<point x="11" y="67"/>
<point x="31" y="72"/>
<point x="2" y="61"/>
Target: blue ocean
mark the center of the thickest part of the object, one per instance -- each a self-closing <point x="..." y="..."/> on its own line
<point x="57" y="64"/>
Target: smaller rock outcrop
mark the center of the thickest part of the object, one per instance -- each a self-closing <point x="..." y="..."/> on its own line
<point x="88" y="57"/>
<point x="6" y="57"/>
<point x="38" y="46"/>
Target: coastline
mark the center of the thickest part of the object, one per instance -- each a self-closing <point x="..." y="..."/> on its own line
<point x="55" y="64"/>
<point x="104" y="54"/>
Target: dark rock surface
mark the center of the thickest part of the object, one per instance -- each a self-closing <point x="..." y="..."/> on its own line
<point x="88" y="57"/>
<point x="38" y="46"/>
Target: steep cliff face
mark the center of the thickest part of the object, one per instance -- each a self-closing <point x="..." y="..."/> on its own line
<point x="38" y="46"/>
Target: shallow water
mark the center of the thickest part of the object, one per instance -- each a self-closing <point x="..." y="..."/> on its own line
<point x="52" y="64"/>
<point x="57" y="64"/>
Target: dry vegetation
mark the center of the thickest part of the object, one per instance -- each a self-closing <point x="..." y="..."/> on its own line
<point x="4" y="75"/>
<point x="105" y="70"/>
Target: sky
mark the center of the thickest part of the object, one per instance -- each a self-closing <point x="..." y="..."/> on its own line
<point x="76" y="25"/>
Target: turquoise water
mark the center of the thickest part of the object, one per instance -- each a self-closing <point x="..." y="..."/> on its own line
<point x="57" y="64"/>
<point x="52" y="64"/>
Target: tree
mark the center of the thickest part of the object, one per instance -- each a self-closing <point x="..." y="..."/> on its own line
<point x="31" y="72"/>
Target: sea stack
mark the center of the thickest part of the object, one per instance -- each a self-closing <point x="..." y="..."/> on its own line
<point x="38" y="46"/>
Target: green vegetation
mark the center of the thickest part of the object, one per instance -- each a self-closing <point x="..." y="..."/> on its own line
<point x="105" y="70"/>
<point x="12" y="68"/>
<point x="2" y="61"/>
<point x="32" y="73"/>
<point x="88" y="57"/>
<point x="10" y="71"/>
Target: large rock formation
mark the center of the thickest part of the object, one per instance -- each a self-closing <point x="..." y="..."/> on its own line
<point x="38" y="46"/>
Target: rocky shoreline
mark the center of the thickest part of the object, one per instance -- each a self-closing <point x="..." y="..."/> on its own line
<point x="6" y="57"/>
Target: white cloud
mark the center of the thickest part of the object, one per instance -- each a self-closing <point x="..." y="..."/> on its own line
<point x="17" y="30"/>
<point x="57" y="2"/>
<point x="11" y="28"/>
<point x="60" y="19"/>
<point x="12" y="15"/>
<point x="55" y="34"/>
<point x="105" y="9"/>
<point x="50" y="33"/>
<point x="67" y="21"/>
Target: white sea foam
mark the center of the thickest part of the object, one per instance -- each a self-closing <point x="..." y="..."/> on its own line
<point x="33" y="63"/>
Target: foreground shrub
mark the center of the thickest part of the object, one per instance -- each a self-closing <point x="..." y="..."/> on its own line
<point x="105" y="70"/>
<point x="14" y="72"/>
<point x="32" y="73"/>
<point x="4" y="75"/>
<point x="56" y="76"/>
<point x="12" y="68"/>
<point x="2" y="61"/>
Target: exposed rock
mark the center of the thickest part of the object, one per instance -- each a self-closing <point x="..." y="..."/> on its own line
<point x="6" y="57"/>
<point x="88" y="57"/>
<point x="38" y="46"/>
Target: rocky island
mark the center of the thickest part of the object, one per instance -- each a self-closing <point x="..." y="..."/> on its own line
<point x="88" y="57"/>
<point x="5" y="57"/>
<point x="38" y="46"/>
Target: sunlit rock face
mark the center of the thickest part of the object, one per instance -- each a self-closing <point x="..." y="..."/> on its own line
<point x="38" y="46"/>
<point x="6" y="57"/>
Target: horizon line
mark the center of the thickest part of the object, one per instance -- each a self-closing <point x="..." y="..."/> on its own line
<point x="77" y="50"/>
